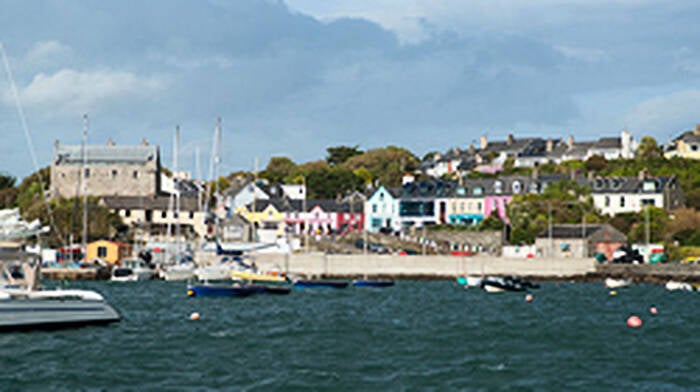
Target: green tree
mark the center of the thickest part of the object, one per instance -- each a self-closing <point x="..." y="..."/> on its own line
<point x="596" y="163"/>
<point x="277" y="169"/>
<point x="324" y="181"/>
<point x="7" y="181"/>
<point x="657" y="226"/>
<point x="388" y="164"/>
<point x="340" y="154"/>
<point x="648" y="148"/>
<point x="492" y="223"/>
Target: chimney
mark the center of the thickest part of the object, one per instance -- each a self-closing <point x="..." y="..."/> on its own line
<point x="144" y="142"/>
<point x="696" y="132"/>
<point x="484" y="142"/>
<point x="550" y="145"/>
<point x="571" y="141"/>
<point x="642" y="174"/>
<point x="110" y="142"/>
<point x="535" y="173"/>
<point x="472" y="149"/>
<point x="510" y="140"/>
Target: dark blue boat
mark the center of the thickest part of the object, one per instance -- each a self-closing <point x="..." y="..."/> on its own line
<point x="372" y="282"/>
<point x="320" y="284"/>
<point x="270" y="289"/>
<point x="220" y="291"/>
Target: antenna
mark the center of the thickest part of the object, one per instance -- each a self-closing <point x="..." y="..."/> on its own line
<point x="85" y="180"/>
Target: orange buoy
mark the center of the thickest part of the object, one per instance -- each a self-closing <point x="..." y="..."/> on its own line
<point x="528" y="298"/>
<point x="634" y="322"/>
<point x="653" y="310"/>
<point x="194" y="316"/>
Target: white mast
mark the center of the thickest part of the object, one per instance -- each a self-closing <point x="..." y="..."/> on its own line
<point x="85" y="179"/>
<point x="217" y="160"/>
<point x="177" y="194"/>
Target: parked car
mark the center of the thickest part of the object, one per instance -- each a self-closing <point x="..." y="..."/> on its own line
<point x="625" y="255"/>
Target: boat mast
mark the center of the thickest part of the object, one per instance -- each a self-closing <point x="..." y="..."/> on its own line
<point x="177" y="194"/>
<point x="85" y="178"/>
<point x="217" y="160"/>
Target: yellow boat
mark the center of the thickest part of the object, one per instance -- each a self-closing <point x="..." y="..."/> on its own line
<point x="258" y="276"/>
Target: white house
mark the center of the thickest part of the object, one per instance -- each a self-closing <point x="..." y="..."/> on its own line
<point x="616" y="195"/>
<point x="382" y="210"/>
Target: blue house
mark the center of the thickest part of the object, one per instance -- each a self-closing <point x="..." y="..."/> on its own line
<point x="382" y="210"/>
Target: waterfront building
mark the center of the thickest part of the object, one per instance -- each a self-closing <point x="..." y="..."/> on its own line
<point x="615" y="195"/>
<point x="248" y="191"/>
<point x="109" y="251"/>
<point x="687" y="145"/>
<point x="325" y="216"/>
<point x="267" y="217"/>
<point x="110" y="170"/>
<point x="381" y="210"/>
<point x="576" y="240"/>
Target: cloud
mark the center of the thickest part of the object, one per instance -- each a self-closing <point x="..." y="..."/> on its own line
<point x="44" y="53"/>
<point x="665" y="114"/>
<point x="582" y="54"/>
<point x="77" y="92"/>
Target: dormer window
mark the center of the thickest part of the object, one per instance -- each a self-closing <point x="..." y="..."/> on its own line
<point x="516" y="187"/>
<point x="461" y="191"/>
<point x="381" y="196"/>
<point x="477" y="190"/>
<point x="498" y="187"/>
<point x="649" y="186"/>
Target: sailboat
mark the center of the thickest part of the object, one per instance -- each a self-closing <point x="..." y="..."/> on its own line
<point x="182" y="269"/>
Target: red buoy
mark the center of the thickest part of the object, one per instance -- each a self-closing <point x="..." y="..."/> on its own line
<point x="528" y="298"/>
<point x="653" y="310"/>
<point x="634" y="322"/>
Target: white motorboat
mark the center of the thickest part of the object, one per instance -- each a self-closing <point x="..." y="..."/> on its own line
<point x="178" y="272"/>
<point x="132" y="270"/>
<point x="611" y="283"/>
<point x="216" y="272"/>
<point x="24" y="306"/>
<point x="673" y="285"/>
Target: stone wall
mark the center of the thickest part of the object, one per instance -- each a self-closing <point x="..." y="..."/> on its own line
<point x="105" y="180"/>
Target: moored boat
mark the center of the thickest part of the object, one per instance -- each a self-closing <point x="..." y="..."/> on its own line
<point x="132" y="270"/>
<point x="320" y="284"/>
<point x="206" y="290"/>
<point x="507" y="283"/>
<point x="24" y="306"/>
<point x="672" y="285"/>
<point x="612" y="283"/>
<point x="372" y="282"/>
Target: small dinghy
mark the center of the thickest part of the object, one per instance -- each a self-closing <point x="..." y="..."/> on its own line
<point x="320" y="284"/>
<point x="611" y="283"/>
<point x="469" y="281"/>
<point x="507" y="283"/>
<point x="206" y="290"/>
<point x="372" y="282"/>
<point x="673" y="285"/>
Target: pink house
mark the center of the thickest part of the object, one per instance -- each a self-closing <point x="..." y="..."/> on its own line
<point x="325" y="217"/>
<point x="496" y="204"/>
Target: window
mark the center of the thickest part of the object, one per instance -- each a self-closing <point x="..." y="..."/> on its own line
<point x="374" y="208"/>
<point x="622" y="201"/>
<point x="498" y="187"/>
<point x="87" y="173"/>
<point x="648" y="202"/>
<point x="381" y="196"/>
<point x="101" y="251"/>
<point x="127" y="213"/>
<point x="649" y="186"/>
<point x="114" y="173"/>
<point x="516" y="187"/>
<point x="477" y="190"/>
<point x="693" y="147"/>
<point x="461" y="207"/>
<point x="376" y="222"/>
<point x="191" y="214"/>
<point x="607" y="201"/>
<point x="478" y="206"/>
<point x="164" y="214"/>
<point x="135" y="174"/>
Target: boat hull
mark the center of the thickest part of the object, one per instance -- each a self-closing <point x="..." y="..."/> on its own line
<point x="136" y="275"/>
<point x="320" y="284"/>
<point x="175" y="275"/>
<point x="372" y="283"/>
<point x="220" y="291"/>
<point x="49" y="314"/>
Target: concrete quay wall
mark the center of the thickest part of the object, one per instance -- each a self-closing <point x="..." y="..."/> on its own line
<point x="436" y="267"/>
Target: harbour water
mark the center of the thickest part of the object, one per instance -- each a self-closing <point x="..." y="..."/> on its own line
<point x="414" y="336"/>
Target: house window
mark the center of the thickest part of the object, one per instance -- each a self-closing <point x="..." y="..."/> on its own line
<point x="477" y="190"/>
<point x="164" y="214"/>
<point x="114" y="173"/>
<point x="127" y="213"/>
<point x="607" y="201"/>
<point x="478" y="206"/>
<point x="135" y="174"/>
<point x="648" y="202"/>
<point x="516" y="187"/>
<point x="101" y="251"/>
<point x="87" y="173"/>
<point x="191" y="214"/>
<point x="622" y="201"/>
<point x="461" y="207"/>
<point x="693" y="147"/>
<point x="374" y="208"/>
<point x="381" y="196"/>
<point x="498" y="187"/>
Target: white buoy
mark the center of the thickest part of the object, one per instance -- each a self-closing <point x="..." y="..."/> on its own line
<point x="194" y="316"/>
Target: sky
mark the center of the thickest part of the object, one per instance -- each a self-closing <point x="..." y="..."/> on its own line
<point x="291" y="78"/>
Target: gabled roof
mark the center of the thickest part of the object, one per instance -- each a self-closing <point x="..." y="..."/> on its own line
<point x="689" y="137"/>
<point x="596" y="232"/>
<point x="105" y="154"/>
<point x="161" y="203"/>
<point x="608" y="142"/>
<point x="627" y="184"/>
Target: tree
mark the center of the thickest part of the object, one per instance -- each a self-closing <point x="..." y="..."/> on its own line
<point x="277" y="169"/>
<point x="7" y="181"/>
<point x="340" y="154"/>
<point x="324" y="181"/>
<point x="648" y="148"/>
<point x="492" y="223"/>
<point x="388" y="164"/>
<point x="596" y="163"/>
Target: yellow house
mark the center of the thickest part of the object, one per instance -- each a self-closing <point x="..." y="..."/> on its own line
<point x="109" y="251"/>
<point x="686" y="145"/>
<point x="264" y="215"/>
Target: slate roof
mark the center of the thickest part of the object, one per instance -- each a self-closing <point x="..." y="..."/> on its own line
<point x="598" y="232"/>
<point x="161" y="203"/>
<point x="627" y="184"/>
<point x="608" y="142"/>
<point x="105" y="154"/>
<point x="689" y="137"/>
